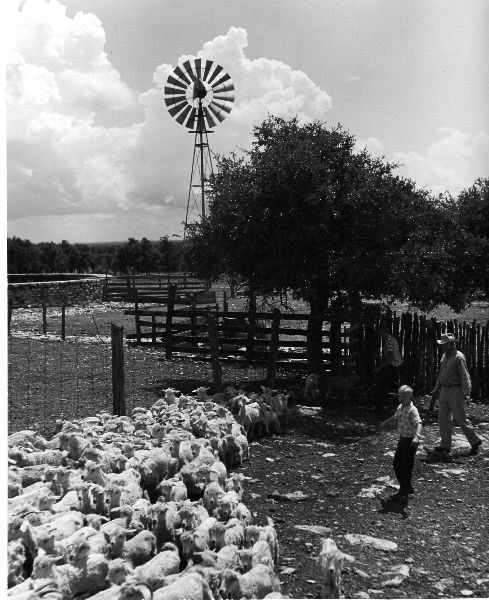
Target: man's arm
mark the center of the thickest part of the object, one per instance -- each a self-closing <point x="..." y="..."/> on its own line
<point x="464" y="375"/>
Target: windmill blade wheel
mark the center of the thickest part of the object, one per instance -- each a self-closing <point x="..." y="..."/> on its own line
<point x="199" y="94"/>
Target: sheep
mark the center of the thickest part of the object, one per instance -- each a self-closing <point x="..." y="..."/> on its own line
<point x="165" y="518"/>
<point x="233" y="451"/>
<point x="228" y="558"/>
<point x="155" y="571"/>
<point x="62" y="527"/>
<point x="14" y="483"/>
<point x="235" y="482"/>
<point x="242" y="513"/>
<point x="172" y="489"/>
<point x="117" y="495"/>
<point x="26" y="437"/>
<point x="269" y="419"/>
<point x="256" y="583"/>
<point x="259" y="553"/>
<point x="66" y="545"/>
<point x="31" y="474"/>
<point x="133" y="590"/>
<point x="119" y="570"/>
<point x="253" y="533"/>
<point x="69" y="501"/>
<point x="227" y="503"/>
<point x="140" y="548"/>
<point x="85" y="572"/>
<point x="192" y="515"/>
<point x="340" y="387"/>
<point x="212" y="494"/>
<point x="16" y="556"/>
<point x="158" y="465"/>
<point x="42" y="457"/>
<point x="74" y="444"/>
<point x="230" y="534"/>
<point x="249" y="416"/>
<point x="329" y="564"/>
<point x="110" y="543"/>
<point x="191" y="585"/>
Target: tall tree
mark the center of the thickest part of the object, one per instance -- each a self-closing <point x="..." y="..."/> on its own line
<point x="302" y="210"/>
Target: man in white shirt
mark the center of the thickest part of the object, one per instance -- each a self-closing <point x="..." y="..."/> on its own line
<point x="453" y="388"/>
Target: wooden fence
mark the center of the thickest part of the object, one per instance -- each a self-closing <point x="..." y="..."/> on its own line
<point x="152" y="288"/>
<point x="349" y="340"/>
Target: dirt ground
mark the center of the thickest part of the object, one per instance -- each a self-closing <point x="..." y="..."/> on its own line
<point x="340" y="464"/>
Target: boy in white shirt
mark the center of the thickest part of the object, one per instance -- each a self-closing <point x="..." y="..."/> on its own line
<point x="409" y="428"/>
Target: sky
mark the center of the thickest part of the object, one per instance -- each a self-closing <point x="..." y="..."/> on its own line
<point x="93" y="155"/>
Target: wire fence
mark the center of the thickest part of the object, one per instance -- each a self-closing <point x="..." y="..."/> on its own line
<point x="50" y="378"/>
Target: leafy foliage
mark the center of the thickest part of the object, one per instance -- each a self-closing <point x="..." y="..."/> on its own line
<point x="131" y="257"/>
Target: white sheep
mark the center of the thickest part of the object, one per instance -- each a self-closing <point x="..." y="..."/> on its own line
<point x="253" y="533"/>
<point x="258" y="554"/>
<point x="190" y="585"/>
<point x="140" y="548"/>
<point x="212" y="494"/>
<point x="227" y="503"/>
<point x="155" y="571"/>
<point x="230" y="534"/>
<point x="119" y="570"/>
<point x="256" y="583"/>
<point x="242" y="513"/>
<point x="329" y="564"/>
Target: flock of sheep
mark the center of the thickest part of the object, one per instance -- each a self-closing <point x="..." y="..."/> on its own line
<point x="143" y="507"/>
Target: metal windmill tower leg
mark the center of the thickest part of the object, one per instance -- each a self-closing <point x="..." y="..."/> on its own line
<point x="202" y="167"/>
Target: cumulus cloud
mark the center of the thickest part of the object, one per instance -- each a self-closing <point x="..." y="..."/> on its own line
<point x="90" y="158"/>
<point x="452" y="163"/>
<point x="63" y="161"/>
<point x="372" y="145"/>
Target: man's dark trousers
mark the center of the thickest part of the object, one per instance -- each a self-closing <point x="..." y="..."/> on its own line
<point x="386" y="381"/>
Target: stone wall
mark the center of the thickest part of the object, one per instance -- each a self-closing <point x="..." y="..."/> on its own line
<point x="55" y="293"/>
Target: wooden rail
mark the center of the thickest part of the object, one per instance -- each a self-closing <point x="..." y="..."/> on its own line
<point x="349" y="340"/>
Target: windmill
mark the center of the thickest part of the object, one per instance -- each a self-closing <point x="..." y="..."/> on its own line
<point x="199" y="96"/>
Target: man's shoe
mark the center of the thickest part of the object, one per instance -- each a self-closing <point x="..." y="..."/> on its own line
<point x="439" y="449"/>
<point x="411" y="490"/>
<point x="475" y="448"/>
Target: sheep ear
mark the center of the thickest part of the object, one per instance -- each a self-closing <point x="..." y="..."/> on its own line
<point x="348" y="557"/>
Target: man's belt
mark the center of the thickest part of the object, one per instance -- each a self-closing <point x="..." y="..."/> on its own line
<point x="449" y="385"/>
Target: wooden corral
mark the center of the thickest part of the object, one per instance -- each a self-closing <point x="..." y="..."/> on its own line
<point x="349" y="339"/>
<point x="152" y="288"/>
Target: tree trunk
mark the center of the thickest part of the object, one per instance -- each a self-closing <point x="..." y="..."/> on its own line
<point x="315" y="335"/>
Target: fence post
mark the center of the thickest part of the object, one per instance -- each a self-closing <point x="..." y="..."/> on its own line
<point x="169" y="317"/>
<point x="10" y="311"/>
<point x="224" y="302"/>
<point x="193" y="320"/>
<point x="153" y="330"/>
<point x="63" y="319"/>
<point x="214" y="344"/>
<point x="136" y="316"/>
<point x="274" y="344"/>
<point x="335" y="345"/>
<point x="251" y="328"/>
<point x="44" y="318"/>
<point x="118" y="380"/>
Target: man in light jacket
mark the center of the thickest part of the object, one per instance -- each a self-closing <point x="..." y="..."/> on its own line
<point x="453" y="388"/>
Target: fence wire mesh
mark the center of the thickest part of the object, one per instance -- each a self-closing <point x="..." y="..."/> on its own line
<point x="50" y="378"/>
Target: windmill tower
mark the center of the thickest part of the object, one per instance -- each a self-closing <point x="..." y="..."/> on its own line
<point x="199" y="96"/>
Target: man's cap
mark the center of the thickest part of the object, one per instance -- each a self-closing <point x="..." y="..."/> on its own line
<point x="447" y="337"/>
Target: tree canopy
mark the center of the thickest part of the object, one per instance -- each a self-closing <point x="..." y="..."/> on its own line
<point x="303" y="210"/>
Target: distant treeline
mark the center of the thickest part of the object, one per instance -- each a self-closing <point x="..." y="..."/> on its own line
<point x="133" y="256"/>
